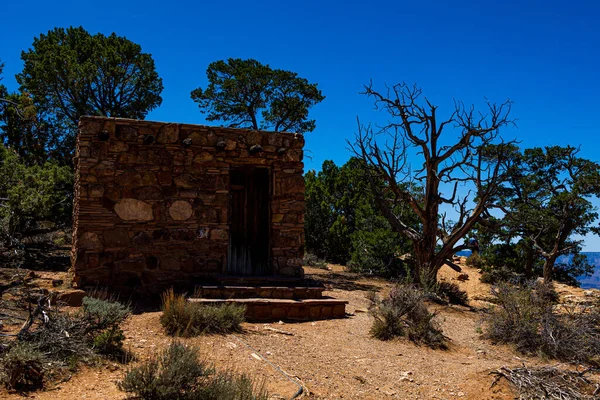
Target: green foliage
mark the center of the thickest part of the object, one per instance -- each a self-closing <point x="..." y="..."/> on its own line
<point x="342" y="223"/>
<point x="103" y="314"/>
<point x="403" y="313"/>
<point x="496" y="275"/>
<point x="183" y="318"/>
<point x="30" y="194"/>
<point x="240" y="92"/>
<point x="69" y="73"/>
<point x="376" y="251"/>
<point x="22" y="368"/>
<point x="109" y="342"/>
<point x="475" y="261"/>
<point x="177" y="373"/>
<point x="525" y="316"/>
<point x="547" y="199"/>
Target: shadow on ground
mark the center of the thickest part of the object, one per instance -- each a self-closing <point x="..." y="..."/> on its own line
<point x="342" y="281"/>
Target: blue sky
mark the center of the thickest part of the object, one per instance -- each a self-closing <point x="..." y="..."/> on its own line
<point x="543" y="55"/>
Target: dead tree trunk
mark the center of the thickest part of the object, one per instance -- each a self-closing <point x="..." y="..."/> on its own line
<point x="475" y="158"/>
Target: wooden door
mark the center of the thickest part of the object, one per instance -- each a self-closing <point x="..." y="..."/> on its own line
<point x="248" y="252"/>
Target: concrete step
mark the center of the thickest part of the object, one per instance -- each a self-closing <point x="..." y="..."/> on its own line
<point x="266" y="292"/>
<point x="245" y="280"/>
<point x="258" y="309"/>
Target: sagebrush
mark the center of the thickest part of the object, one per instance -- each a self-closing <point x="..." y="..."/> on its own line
<point x="403" y="313"/>
<point x="525" y="315"/>
<point x="178" y="373"/>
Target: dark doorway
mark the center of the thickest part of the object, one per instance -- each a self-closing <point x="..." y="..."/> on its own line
<point x="248" y="252"/>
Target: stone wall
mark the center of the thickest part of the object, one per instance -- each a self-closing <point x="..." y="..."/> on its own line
<point x="151" y="201"/>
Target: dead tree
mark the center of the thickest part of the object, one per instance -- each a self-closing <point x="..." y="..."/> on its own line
<point x="463" y="151"/>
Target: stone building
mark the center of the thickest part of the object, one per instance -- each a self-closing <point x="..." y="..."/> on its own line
<point x="160" y="204"/>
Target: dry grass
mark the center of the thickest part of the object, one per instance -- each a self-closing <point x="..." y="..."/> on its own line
<point x="182" y="318"/>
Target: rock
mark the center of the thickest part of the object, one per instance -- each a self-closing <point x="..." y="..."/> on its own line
<point x="134" y="210"/>
<point x="71" y="298"/>
<point x="180" y="210"/>
<point x="169" y="133"/>
<point x="463" y="277"/>
<point x="116" y="237"/>
<point x="230" y="145"/>
<point x="218" y="234"/>
<point x="89" y="241"/>
<point x="203" y="157"/>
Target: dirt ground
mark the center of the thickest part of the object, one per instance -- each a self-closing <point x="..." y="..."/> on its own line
<point x="334" y="359"/>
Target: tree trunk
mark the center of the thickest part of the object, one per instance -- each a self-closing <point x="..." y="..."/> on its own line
<point x="549" y="268"/>
<point x="529" y="262"/>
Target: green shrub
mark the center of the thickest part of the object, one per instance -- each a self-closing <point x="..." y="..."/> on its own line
<point x="22" y="368"/>
<point x="312" y="260"/>
<point x="453" y="293"/>
<point x="525" y="316"/>
<point x="110" y="342"/>
<point x="375" y="251"/>
<point x="177" y="373"/>
<point x="475" y="260"/>
<point x="103" y="314"/>
<point x="30" y="194"/>
<point x="183" y="318"/>
<point x="404" y="313"/>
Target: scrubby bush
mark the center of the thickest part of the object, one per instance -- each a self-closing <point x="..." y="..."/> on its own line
<point x="110" y="342"/>
<point x="495" y="275"/>
<point x="22" y="368"/>
<point x="375" y="251"/>
<point x="453" y="293"/>
<point x="312" y="260"/>
<point x="177" y="373"/>
<point x="30" y="194"/>
<point x="183" y="318"/>
<point x="475" y="260"/>
<point x="103" y="314"/>
<point x="526" y="317"/>
<point x="403" y="313"/>
<point x="63" y="340"/>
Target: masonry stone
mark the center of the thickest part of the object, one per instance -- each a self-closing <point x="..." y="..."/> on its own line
<point x="152" y="201"/>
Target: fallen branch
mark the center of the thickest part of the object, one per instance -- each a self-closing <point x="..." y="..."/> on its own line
<point x="549" y="383"/>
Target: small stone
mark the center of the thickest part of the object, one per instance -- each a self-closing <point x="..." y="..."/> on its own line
<point x="134" y="210"/>
<point x="230" y="145"/>
<point x="218" y="234"/>
<point x="89" y="241"/>
<point x="180" y="210"/>
<point x="168" y="134"/>
<point x="203" y="157"/>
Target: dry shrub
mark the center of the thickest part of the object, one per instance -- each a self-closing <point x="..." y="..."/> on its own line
<point x="453" y="293"/>
<point x="525" y="316"/>
<point x="60" y="341"/>
<point x="177" y="373"/>
<point x="549" y="383"/>
<point x="182" y="318"/>
<point x="404" y="313"/>
<point x="22" y="368"/>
